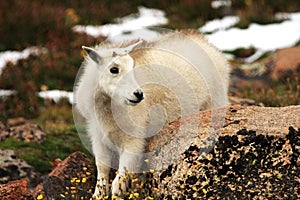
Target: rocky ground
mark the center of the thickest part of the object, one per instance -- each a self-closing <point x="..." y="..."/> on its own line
<point x="13" y="168"/>
<point x="256" y="156"/>
<point x="21" y="129"/>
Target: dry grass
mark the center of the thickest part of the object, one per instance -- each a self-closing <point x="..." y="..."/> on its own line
<point x="280" y="93"/>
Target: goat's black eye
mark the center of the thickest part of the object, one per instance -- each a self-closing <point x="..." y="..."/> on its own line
<point x="114" y="70"/>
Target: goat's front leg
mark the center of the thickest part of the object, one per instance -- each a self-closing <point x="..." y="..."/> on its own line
<point x="103" y="160"/>
<point x="130" y="160"/>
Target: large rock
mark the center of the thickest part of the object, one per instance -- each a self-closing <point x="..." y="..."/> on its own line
<point x="16" y="190"/>
<point x="279" y="66"/>
<point x="13" y="168"/>
<point x="284" y="63"/>
<point x="256" y="155"/>
<point x="72" y="178"/>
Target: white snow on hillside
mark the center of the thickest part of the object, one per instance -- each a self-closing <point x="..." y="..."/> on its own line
<point x="220" y="3"/>
<point x="219" y="24"/>
<point x="6" y="93"/>
<point x="56" y="95"/>
<point x="126" y="26"/>
<point x="14" y="56"/>
<point x="263" y="37"/>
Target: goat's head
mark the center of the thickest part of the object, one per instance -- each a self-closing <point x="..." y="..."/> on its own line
<point x="116" y="74"/>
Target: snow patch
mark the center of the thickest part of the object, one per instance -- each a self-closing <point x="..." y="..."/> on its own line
<point x="56" y="95"/>
<point x="219" y="24"/>
<point x="220" y="3"/>
<point x="5" y="93"/>
<point x="128" y="25"/>
<point x="263" y="37"/>
<point x="15" y="56"/>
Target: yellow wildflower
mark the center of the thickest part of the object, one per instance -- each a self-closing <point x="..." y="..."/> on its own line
<point x="134" y="180"/>
<point x="73" y="180"/>
<point x="88" y="173"/>
<point x="130" y="196"/>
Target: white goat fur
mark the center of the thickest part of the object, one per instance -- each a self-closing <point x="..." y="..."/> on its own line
<point x="186" y="53"/>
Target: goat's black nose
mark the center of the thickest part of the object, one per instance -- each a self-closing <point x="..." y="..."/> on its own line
<point x="139" y="94"/>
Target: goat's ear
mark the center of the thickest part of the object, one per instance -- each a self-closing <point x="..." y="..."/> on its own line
<point x="133" y="46"/>
<point x="92" y="53"/>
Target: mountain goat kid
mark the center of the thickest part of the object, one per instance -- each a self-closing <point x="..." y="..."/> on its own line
<point x="121" y="84"/>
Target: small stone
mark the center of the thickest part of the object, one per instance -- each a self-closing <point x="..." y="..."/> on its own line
<point x="16" y="121"/>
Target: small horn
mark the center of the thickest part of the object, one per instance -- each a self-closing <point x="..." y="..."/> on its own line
<point x="133" y="46"/>
<point x="114" y="54"/>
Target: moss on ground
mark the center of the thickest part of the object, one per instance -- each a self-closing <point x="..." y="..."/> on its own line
<point x="58" y="145"/>
<point x="61" y="140"/>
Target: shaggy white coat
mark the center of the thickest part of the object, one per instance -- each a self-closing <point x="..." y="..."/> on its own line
<point x="179" y="72"/>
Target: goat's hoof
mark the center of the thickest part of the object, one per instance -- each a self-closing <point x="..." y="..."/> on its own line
<point x="101" y="190"/>
<point x="119" y="185"/>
